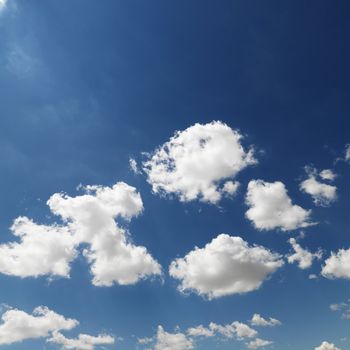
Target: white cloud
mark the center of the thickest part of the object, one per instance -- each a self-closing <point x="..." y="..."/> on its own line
<point x="227" y="265"/>
<point x="326" y="346"/>
<point x="172" y="341"/>
<point x="321" y="193"/>
<point x="271" y="208"/>
<point x="347" y="153"/>
<point x="258" y="320"/>
<point x="145" y="340"/>
<point x="337" y="265"/>
<point x="88" y="219"/>
<point x="244" y="331"/>
<point x="327" y="174"/>
<point x="343" y="307"/>
<point x="194" y="162"/>
<point x="92" y="219"/>
<point x="258" y="343"/>
<point x="302" y="256"/>
<point x="200" y="331"/>
<point x="83" y="342"/>
<point x="238" y="329"/>
<point x="312" y="276"/>
<point x="134" y="167"/>
<point x="17" y="325"/>
<point x="42" y="250"/>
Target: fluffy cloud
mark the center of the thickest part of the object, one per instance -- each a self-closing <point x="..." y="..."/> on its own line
<point x="321" y="193"/>
<point x="238" y="329"/>
<point x="17" y="325"/>
<point x="271" y="208"/>
<point x="327" y="174"/>
<point x="88" y="219"/>
<point x="227" y="265"/>
<point x="326" y="346"/>
<point x="258" y="320"/>
<point x="172" y="341"/>
<point x="91" y="217"/>
<point x="337" y="265"/>
<point x="258" y="343"/>
<point x="194" y="163"/>
<point x="243" y="331"/>
<point x="302" y="256"/>
<point x="83" y="342"/>
<point x="200" y="331"/>
<point x="42" y="250"/>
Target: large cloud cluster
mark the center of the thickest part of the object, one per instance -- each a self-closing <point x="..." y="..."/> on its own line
<point x="194" y="163"/>
<point x="227" y="265"/>
<point x="88" y="219"/>
<point x="270" y="207"/>
<point x="17" y="325"/>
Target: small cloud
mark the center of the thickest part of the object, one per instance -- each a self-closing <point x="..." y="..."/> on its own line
<point x="134" y="167"/>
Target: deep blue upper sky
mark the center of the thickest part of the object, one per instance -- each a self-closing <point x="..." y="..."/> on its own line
<point x="85" y="85"/>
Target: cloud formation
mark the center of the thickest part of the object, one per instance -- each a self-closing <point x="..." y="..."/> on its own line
<point x="258" y="343"/>
<point x="327" y="346"/>
<point x="227" y="265"/>
<point x="42" y="250"/>
<point x="83" y="342"/>
<point x="258" y="320"/>
<point x="194" y="163"/>
<point x="347" y="153"/>
<point x="17" y="325"/>
<point x="343" y="307"/>
<point x="302" y="256"/>
<point x="172" y="341"/>
<point x="322" y="194"/>
<point x="236" y="330"/>
<point x="271" y="208"/>
<point x="337" y="265"/>
<point x="88" y="219"/>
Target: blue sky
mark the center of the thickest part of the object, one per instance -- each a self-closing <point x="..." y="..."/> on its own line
<point x="88" y="85"/>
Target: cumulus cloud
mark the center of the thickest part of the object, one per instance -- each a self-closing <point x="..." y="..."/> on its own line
<point x="195" y="162"/>
<point x="17" y="325"/>
<point x="327" y="174"/>
<point x="42" y="250"/>
<point x="258" y="320"/>
<point x="238" y="329"/>
<point x="271" y="208"/>
<point x="172" y="341"/>
<point x="337" y="265"/>
<point x="327" y="346"/>
<point x="200" y="331"/>
<point x="322" y="194"/>
<point x="89" y="219"/>
<point x="235" y="330"/>
<point x="227" y="265"/>
<point x="258" y="343"/>
<point x="92" y="219"/>
<point x="83" y="342"/>
<point x="303" y="257"/>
